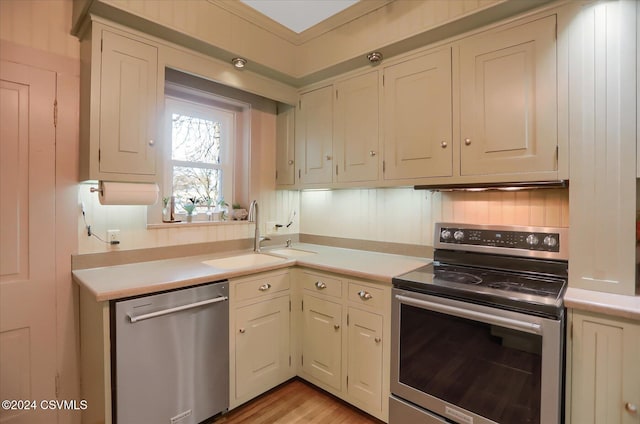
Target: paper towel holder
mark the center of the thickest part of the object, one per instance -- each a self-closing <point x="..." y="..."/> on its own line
<point x="126" y="193"/>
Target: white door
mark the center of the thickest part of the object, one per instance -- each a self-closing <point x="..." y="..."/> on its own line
<point x="27" y="241"/>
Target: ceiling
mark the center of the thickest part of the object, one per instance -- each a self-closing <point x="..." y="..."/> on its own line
<point x="299" y="15"/>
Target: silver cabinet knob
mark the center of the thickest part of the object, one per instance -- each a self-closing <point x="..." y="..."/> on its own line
<point x="631" y="408"/>
<point x="152" y="142"/>
<point x="364" y="295"/>
<point x="290" y="162"/>
<point x="336" y="326"/>
<point x="377" y="339"/>
<point x="443" y="144"/>
<point x="328" y="157"/>
<point x="264" y="287"/>
<point x="242" y="330"/>
<point x="467" y="141"/>
<point x="372" y="153"/>
<point x="320" y="285"/>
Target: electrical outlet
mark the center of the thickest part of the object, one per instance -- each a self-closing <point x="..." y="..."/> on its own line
<point x="113" y="236"/>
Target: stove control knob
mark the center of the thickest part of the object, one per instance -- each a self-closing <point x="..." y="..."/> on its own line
<point x="445" y="235"/>
<point x="550" y="241"/>
<point x="532" y="240"/>
<point x="458" y="235"/>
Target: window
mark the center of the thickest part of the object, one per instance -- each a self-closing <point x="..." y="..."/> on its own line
<point x="200" y="165"/>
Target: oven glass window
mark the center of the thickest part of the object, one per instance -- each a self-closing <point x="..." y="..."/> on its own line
<point x="489" y="370"/>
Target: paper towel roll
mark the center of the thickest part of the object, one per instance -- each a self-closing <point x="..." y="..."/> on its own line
<point x="112" y="193"/>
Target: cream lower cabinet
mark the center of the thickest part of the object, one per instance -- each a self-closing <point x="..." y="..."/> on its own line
<point x="260" y="335"/>
<point x="605" y="369"/>
<point x="344" y="346"/>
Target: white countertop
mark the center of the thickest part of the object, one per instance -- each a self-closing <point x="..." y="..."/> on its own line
<point x="114" y="282"/>
<point x="604" y="303"/>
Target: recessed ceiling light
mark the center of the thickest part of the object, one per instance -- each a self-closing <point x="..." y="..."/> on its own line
<point x="239" y="62"/>
<point x="374" y="57"/>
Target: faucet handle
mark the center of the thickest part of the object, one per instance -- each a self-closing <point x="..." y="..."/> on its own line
<point x="288" y="242"/>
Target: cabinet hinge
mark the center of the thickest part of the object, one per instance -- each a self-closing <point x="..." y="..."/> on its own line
<point x="336" y="169"/>
<point x="347" y="320"/>
<point x="302" y="305"/>
<point x="289" y="310"/>
<point x="557" y="156"/>
<point x="276" y="175"/>
<point x="384" y="166"/>
<point x="57" y="386"/>
<point x="289" y="360"/>
<point x="383" y="80"/>
<point x="302" y="360"/>
<point x="336" y="94"/>
<point x="101" y="44"/>
<point x="300" y="104"/>
<point x="99" y="155"/>
<point x="299" y="174"/>
<point x="347" y="381"/>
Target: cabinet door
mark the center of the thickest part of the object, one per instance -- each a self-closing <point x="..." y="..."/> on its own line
<point x="322" y="340"/>
<point x="417" y="117"/>
<point x="314" y="136"/>
<point x="128" y="106"/>
<point x="262" y="346"/>
<point x="605" y="371"/>
<point x="508" y="101"/>
<point x="356" y="129"/>
<point x="285" y="151"/>
<point x="365" y="358"/>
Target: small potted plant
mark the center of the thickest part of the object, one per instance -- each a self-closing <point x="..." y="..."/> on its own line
<point x="224" y="208"/>
<point x="189" y="207"/>
<point x="239" y="213"/>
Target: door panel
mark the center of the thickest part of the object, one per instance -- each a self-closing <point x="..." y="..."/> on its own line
<point x="365" y="357"/>
<point x="27" y="240"/>
<point x="508" y="107"/>
<point x="322" y="340"/>
<point x="314" y="136"/>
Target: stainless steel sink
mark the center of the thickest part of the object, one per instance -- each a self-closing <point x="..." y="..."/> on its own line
<point x="243" y="261"/>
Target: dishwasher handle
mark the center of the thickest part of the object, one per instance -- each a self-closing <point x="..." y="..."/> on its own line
<point x="134" y="318"/>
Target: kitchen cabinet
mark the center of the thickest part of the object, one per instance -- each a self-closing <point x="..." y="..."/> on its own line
<point x="285" y="146"/>
<point x="260" y="334"/>
<point x="508" y="105"/>
<point x="119" y="86"/>
<point x="605" y="377"/>
<point x="603" y="148"/>
<point x="343" y="343"/>
<point x="355" y="138"/>
<point x="418" y="117"/>
<point x="314" y="136"/>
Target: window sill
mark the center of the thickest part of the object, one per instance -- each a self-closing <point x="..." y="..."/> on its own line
<point x="183" y="224"/>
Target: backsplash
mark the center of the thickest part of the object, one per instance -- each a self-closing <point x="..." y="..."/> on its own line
<point x="404" y="215"/>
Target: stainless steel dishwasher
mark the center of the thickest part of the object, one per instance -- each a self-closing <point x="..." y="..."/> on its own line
<point x="170" y="359"/>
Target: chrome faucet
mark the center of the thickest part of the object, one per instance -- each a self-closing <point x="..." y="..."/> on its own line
<point x="253" y="216"/>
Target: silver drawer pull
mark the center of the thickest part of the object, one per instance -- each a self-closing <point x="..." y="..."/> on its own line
<point x="364" y="295"/>
<point x="631" y="408"/>
<point x="377" y="339"/>
<point x="336" y="326"/>
<point x="264" y="287"/>
<point x="242" y="330"/>
<point x="320" y="285"/>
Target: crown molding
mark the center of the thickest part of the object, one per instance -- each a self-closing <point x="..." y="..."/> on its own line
<point x="251" y="15"/>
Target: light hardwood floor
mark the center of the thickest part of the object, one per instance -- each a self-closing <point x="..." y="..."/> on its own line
<point x="296" y="402"/>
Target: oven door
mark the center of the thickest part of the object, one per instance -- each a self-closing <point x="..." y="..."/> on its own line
<point x="475" y="364"/>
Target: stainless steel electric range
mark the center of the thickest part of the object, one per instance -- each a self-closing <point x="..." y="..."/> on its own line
<point x="478" y="335"/>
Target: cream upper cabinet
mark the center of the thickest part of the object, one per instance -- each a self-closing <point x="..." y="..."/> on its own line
<point x="314" y="136"/>
<point x="417" y="117"/>
<point x="605" y="371"/>
<point x="260" y="334"/>
<point x="603" y="148"/>
<point x="285" y="146"/>
<point x="355" y="136"/>
<point x="322" y="340"/>
<point x="508" y="102"/>
<point x="119" y="88"/>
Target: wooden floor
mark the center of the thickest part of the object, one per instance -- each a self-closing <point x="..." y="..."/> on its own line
<point x="296" y="402"/>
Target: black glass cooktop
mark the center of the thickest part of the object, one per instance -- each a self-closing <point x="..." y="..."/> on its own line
<point x="526" y="292"/>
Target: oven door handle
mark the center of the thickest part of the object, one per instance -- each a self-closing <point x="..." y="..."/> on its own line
<point x="514" y="324"/>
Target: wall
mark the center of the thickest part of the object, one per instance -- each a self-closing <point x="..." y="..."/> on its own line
<point x="404" y="215"/>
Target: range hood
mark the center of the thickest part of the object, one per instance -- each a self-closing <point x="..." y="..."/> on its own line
<point x="507" y="186"/>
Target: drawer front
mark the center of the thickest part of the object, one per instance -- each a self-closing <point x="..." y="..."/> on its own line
<point x="263" y="285"/>
<point x="365" y="295"/>
<point x="322" y="284"/>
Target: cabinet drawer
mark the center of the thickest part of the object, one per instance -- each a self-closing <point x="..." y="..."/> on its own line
<point x="365" y="295"/>
<point x="322" y="284"/>
<point x="261" y="286"/>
